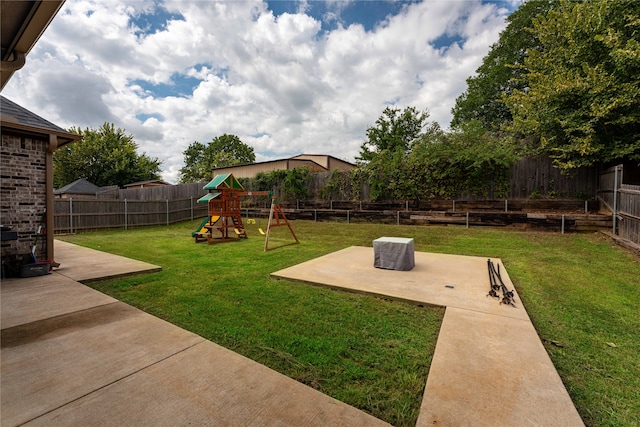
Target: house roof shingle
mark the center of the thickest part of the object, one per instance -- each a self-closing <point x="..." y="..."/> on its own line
<point x="17" y="117"/>
<point x="26" y="117"/>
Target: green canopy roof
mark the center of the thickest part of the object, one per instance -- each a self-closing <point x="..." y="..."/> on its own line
<point x="223" y="180"/>
<point x="207" y="197"/>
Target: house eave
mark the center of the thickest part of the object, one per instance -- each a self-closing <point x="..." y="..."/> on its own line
<point x="30" y="19"/>
<point x="64" y="138"/>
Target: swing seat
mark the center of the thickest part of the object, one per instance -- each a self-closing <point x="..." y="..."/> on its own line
<point x="262" y="231"/>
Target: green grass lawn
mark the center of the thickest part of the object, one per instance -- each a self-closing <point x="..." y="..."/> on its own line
<point x="581" y="292"/>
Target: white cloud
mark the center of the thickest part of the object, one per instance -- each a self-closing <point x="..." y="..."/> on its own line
<point x="281" y="84"/>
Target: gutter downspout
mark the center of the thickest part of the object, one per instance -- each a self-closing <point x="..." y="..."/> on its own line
<point x="53" y="145"/>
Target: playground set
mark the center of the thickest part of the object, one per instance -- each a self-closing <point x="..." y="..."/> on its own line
<point x="224" y="220"/>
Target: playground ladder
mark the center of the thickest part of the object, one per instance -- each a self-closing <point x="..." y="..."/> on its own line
<point x="239" y="227"/>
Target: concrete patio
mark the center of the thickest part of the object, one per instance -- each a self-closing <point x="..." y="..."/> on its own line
<point x="74" y="356"/>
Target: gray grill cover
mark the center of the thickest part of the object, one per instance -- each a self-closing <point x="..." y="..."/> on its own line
<point x="393" y="253"/>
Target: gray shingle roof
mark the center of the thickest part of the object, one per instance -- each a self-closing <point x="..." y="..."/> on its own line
<point x="26" y="117"/>
<point x="79" y="186"/>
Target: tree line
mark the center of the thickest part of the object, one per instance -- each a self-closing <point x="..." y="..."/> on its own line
<point x="563" y="81"/>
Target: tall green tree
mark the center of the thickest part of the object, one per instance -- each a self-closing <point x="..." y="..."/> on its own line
<point x="501" y="72"/>
<point x="382" y="158"/>
<point x="581" y="91"/>
<point x="394" y="131"/>
<point x="105" y="156"/>
<point x="222" y="151"/>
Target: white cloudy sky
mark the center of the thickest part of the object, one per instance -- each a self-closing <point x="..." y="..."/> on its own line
<point x="287" y="77"/>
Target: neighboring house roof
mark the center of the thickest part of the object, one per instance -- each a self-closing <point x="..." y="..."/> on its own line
<point x="79" y="186"/>
<point x="315" y="163"/>
<point x="23" y="22"/>
<point x="150" y="183"/>
<point x="323" y="160"/>
<point x="319" y="159"/>
<point x="18" y="118"/>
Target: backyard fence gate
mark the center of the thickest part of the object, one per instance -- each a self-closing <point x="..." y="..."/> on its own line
<point x="623" y="200"/>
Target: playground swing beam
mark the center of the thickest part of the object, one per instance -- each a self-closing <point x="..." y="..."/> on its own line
<point x="275" y="208"/>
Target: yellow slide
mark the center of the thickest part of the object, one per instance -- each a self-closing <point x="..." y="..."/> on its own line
<point x="202" y="229"/>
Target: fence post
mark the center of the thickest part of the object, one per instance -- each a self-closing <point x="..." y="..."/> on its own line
<point x="467" y="219"/>
<point x="348" y="217"/>
<point x="398" y="219"/>
<point x="406" y="206"/>
<point x="615" y="198"/>
<point x="586" y="206"/>
<point x="70" y="214"/>
<point x="126" y="215"/>
<point x="454" y="205"/>
<point x="562" y="227"/>
<point x="506" y="205"/>
<point x="167" y="211"/>
<point x="315" y="215"/>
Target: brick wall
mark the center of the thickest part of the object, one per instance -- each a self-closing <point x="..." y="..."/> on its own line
<point x="23" y="192"/>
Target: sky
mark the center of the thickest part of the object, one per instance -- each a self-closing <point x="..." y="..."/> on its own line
<point x="286" y="77"/>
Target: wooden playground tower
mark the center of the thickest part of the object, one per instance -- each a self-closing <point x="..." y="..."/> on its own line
<point x="224" y="223"/>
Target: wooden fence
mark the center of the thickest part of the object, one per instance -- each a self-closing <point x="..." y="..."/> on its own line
<point x="628" y="220"/>
<point x="531" y="177"/>
<point x="161" y="192"/>
<point x="608" y="184"/>
<point x="77" y="215"/>
<point x="623" y="200"/>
